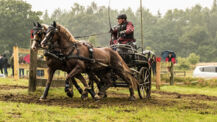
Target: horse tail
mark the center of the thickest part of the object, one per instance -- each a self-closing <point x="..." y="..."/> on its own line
<point x="129" y="74"/>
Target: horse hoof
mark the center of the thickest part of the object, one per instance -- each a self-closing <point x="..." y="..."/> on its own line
<point x="132" y="98"/>
<point x="148" y="97"/>
<point x="105" y="96"/>
<point x="84" y="96"/>
<point x="69" y="94"/>
<point x="42" y="98"/>
<point x="97" y="97"/>
<point x="102" y="95"/>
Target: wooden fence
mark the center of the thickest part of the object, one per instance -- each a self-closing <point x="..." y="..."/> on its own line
<point x="41" y="65"/>
<point x="35" y="64"/>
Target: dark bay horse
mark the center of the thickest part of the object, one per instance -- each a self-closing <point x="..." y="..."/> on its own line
<point x="78" y="59"/>
<point x="54" y="64"/>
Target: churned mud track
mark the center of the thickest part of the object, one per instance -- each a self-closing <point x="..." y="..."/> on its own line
<point x="159" y="98"/>
<point x="76" y="102"/>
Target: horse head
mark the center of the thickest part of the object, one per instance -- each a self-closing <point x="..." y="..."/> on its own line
<point x="39" y="32"/>
<point x="51" y="35"/>
<point x="57" y="35"/>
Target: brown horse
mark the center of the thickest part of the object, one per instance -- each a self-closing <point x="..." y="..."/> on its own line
<point x="54" y="64"/>
<point x="78" y="59"/>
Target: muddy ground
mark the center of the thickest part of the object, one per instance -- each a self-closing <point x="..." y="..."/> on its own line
<point x="159" y="98"/>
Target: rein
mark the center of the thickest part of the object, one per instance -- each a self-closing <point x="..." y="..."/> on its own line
<point x="58" y="55"/>
<point x="96" y="34"/>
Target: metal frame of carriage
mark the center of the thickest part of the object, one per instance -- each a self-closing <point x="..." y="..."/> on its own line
<point x="140" y="65"/>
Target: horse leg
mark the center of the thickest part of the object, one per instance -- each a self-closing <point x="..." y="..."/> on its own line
<point x="124" y="75"/>
<point x="104" y="84"/>
<point x="92" y="79"/>
<point x="69" y="92"/>
<point x="48" y="83"/>
<point x="99" y="83"/>
<point x="77" y="86"/>
<point x="75" y="71"/>
<point x="87" y="88"/>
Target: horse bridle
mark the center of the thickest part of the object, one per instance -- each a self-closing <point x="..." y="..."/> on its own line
<point x="51" y="32"/>
<point x="39" y="31"/>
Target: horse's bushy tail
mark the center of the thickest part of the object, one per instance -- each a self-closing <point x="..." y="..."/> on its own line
<point x="128" y="73"/>
<point x="133" y="80"/>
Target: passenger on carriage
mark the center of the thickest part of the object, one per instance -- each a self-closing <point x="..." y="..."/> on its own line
<point x="123" y="33"/>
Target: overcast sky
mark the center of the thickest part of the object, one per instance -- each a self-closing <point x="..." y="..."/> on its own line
<point x="152" y="5"/>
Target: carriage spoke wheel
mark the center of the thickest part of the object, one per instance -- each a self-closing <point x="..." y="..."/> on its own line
<point x="144" y="87"/>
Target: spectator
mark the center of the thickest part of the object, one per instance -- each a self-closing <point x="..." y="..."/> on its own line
<point x="170" y="59"/>
<point x="21" y="70"/>
<point x="1" y="64"/>
<point x="5" y="64"/>
<point x="12" y="64"/>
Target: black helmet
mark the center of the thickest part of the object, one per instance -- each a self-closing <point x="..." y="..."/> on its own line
<point x="122" y="16"/>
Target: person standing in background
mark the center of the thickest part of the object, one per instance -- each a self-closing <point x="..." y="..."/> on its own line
<point x="5" y="64"/>
<point x="12" y="64"/>
<point x="21" y="70"/>
<point x="1" y="64"/>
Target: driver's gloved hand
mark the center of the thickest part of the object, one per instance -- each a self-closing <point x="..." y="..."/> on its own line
<point x="123" y="33"/>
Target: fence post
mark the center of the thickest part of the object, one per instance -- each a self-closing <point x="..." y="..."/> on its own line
<point x="32" y="71"/>
<point x="171" y="74"/>
<point x="16" y="62"/>
<point x="158" y="70"/>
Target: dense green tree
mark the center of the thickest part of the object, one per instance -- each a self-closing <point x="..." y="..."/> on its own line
<point x="193" y="30"/>
<point x="184" y="31"/>
<point x="16" y="18"/>
<point x="46" y="18"/>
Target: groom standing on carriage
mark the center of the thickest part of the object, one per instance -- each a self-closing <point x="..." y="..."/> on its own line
<point x="123" y="33"/>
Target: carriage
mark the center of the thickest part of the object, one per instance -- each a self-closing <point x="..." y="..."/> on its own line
<point x="140" y="64"/>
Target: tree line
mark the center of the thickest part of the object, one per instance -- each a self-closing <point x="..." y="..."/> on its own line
<point x="193" y="30"/>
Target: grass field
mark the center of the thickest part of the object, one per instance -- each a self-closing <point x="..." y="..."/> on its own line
<point x="171" y="103"/>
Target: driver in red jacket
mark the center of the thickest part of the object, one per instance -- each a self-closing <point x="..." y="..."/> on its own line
<point x="123" y="33"/>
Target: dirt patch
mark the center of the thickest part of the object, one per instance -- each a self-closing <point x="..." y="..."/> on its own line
<point x="166" y="99"/>
<point x="8" y="87"/>
<point x="187" y="96"/>
<point x="120" y="100"/>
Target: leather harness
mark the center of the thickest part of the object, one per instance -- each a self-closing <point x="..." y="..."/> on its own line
<point x="60" y="56"/>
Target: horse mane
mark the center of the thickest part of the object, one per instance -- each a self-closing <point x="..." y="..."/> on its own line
<point x="45" y="26"/>
<point x="62" y="29"/>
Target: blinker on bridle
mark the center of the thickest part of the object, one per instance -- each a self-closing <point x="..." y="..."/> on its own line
<point x="39" y="32"/>
<point x="50" y="30"/>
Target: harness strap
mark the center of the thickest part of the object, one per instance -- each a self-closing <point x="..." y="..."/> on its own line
<point x="63" y="58"/>
<point x="81" y="58"/>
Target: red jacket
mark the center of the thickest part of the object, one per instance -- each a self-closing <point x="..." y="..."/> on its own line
<point x="173" y="60"/>
<point x="128" y="29"/>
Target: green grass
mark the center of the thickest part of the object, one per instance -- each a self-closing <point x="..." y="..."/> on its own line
<point x="190" y="90"/>
<point x="31" y="112"/>
<point x="11" y="81"/>
<point x="25" y="107"/>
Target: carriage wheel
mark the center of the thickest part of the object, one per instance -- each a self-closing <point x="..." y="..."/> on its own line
<point x="144" y="87"/>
